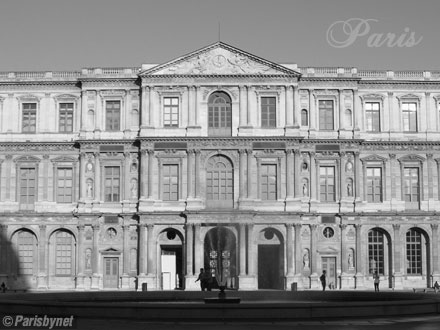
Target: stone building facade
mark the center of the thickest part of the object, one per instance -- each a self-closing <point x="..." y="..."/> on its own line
<point x="264" y="173"/>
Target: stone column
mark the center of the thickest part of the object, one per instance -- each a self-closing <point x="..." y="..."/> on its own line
<point x="151" y="107"/>
<point x="249" y="173"/>
<point x="125" y="243"/>
<point x="97" y="196"/>
<point x="242" y="168"/>
<point x="298" y="250"/>
<point x="45" y="176"/>
<point x="8" y="175"/>
<point x="289" y="252"/>
<point x="289" y="106"/>
<point x="343" y="190"/>
<point x="342" y="123"/>
<point x="145" y="114"/>
<point x="430" y="166"/>
<point x="189" y="249"/>
<point x="435" y="253"/>
<point x="313" y="177"/>
<point x="142" y="264"/>
<point x="190" y="184"/>
<point x="250" y="95"/>
<point x="126" y="192"/>
<point x="197" y="154"/>
<point x="84" y="111"/>
<point x="313" y="249"/>
<point x="360" y="261"/>
<point x="242" y="249"/>
<point x="358" y="178"/>
<point x="344" y="256"/>
<point x="297" y="107"/>
<point x="289" y="177"/>
<point x="191" y="114"/>
<point x="99" y="112"/>
<point x="126" y="113"/>
<point x="198" y="248"/>
<point x="196" y="105"/>
<point x="312" y="113"/>
<point x="357" y="111"/>
<point x="151" y="256"/>
<point x="252" y="255"/>
<point x="144" y="174"/>
<point x="150" y="173"/>
<point x="397" y="257"/>
<point x="243" y="109"/>
<point x="3" y="252"/>
<point x="82" y="175"/>
<point x="80" y="261"/>
<point x="42" y="271"/>
<point x="95" y="258"/>
<point x="296" y="173"/>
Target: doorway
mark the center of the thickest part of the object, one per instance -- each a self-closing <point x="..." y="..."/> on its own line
<point x="111" y="273"/>
<point x="329" y="265"/>
<point x="171" y="267"/>
<point x="269" y="267"/>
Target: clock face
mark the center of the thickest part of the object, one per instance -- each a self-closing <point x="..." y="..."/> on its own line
<point x="219" y="61"/>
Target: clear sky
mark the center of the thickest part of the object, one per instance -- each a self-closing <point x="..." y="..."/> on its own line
<point x="70" y="35"/>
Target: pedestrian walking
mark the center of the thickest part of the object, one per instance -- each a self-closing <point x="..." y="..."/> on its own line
<point x="376" y="281"/>
<point x="323" y="279"/>
<point x="202" y="279"/>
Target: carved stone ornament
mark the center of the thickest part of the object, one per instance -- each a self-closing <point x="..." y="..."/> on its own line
<point x="218" y="61"/>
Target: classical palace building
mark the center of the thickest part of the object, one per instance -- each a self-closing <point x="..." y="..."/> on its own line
<point x="265" y="174"/>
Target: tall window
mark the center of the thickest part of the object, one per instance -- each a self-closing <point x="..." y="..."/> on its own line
<point x="66" y="117"/>
<point x="372" y="116"/>
<point x="326" y="116"/>
<point x="64" y="254"/>
<point x="374" y="184"/>
<point x="219" y="114"/>
<point x="414" y="252"/>
<point x="170" y="182"/>
<point x="327" y="184"/>
<point x="26" y="249"/>
<point x="268" y="182"/>
<point x="112" y="115"/>
<point x="411" y="191"/>
<point x="27" y="188"/>
<point x="112" y="183"/>
<point x="219" y="182"/>
<point x="29" y="122"/>
<point x="409" y="113"/>
<point x="268" y="112"/>
<point x="171" y="111"/>
<point x="64" y="185"/>
<point x="375" y="252"/>
<point x="304" y="117"/>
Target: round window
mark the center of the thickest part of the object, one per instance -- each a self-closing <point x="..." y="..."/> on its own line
<point x="268" y="234"/>
<point x="328" y="232"/>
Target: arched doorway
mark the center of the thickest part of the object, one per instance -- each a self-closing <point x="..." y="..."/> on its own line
<point x="380" y="255"/>
<point x="270" y="260"/>
<point x="219" y="183"/>
<point x="219" y="114"/>
<point x="220" y="255"/>
<point x="417" y="255"/>
<point x="62" y="252"/>
<point x="171" y="259"/>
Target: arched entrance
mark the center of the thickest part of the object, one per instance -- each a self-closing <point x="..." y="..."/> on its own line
<point x="219" y="114"/>
<point x="270" y="260"/>
<point x="219" y="183"/>
<point x="380" y="256"/>
<point x="418" y="255"/>
<point x="220" y="255"/>
<point x="171" y="259"/>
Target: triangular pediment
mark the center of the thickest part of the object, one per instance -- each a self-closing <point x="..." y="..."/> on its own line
<point x="219" y="59"/>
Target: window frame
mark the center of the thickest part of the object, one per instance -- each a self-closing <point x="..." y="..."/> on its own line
<point x="59" y="103"/>
<point x="376" y="245"/>
<point x="35" y="111"/>
<point x="367" y="186"/>
<point x="306" y="117"/>
<point x="268" y="122"/>
<point x="414" y="265"/>
<point x="57" y="256"/>
<point x="373" y="112"/>
<point x="104" y="174"/>
<point x="165" y="106"/>
<point x="335" y="192"/>
<point x="163" y="184"/>
<point x="261" y="181"/>
<point x="412" y="115"/>
<point x="333" y="115"/>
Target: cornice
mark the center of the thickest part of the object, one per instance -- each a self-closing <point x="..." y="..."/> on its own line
<point x="36" y="146"/>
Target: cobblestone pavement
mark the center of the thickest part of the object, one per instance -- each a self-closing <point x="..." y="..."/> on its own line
<point x="421" y="322"/>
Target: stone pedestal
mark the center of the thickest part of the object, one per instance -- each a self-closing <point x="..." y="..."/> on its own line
<point x="315" y="283"/>
<point x="347" y="281"/>
<point x="247" y="282"/>
<point x="141" y="279"/>
<point x="80" y="282"/>
<point x="347" y="205"/>
<point x="191" y="284"/>
<point x="42" y="282"/>
<point x="125" y="282"/>
<point x="146" y="205"/>
<point x="359" y="281"/>
<point x="289" y="280"/>
<point x="398" y="281"/>
<point x="95" y="282"/>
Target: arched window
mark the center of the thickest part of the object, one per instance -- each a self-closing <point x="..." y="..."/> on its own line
<point x="376" y="253"/>
<point x="219" y="182"/>
<point x="219" y="114"/>
<point x="27" y="254"/>
<point x="414" y="252"/>
<point x="64" y="254"/>
<point x="304" y="117"/>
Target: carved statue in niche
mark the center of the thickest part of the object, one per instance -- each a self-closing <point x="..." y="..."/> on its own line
<point x="350" y="188"/>
<point x="350" y="260"/>
<point x="89" y="188"/>
<point x="89" y="167"/>
<point x="88" y="259"/>
<point x="305" y="166"/>
<point x="134" y="188"/>
<point x="306" y="259"/>
<point x="349" y="167"/>
<point x="305" y="188"/>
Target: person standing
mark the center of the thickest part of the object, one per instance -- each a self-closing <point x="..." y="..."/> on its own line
<point x="202" y="280"/>
<point x="323" y="280"/>
<point x="376" y="281"/>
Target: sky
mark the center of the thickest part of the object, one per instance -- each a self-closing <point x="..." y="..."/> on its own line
<point x="63" y="35"/>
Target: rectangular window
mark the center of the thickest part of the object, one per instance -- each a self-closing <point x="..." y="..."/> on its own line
<point x="29" y="122"/>
<point x="63" y="254"/>
<point x="268" y="112"/>
<point x="112" y="183"/>
<point x="66" y="117"/>
<point x="411" y="192"/>
<point x="112" y="115"/>
<point x="171" y="111"/>
<point x="64" y="185"/>
<point x="409" y="114"/>
<point x="414" y="252"/>
<point x="372" y="114"/>
<point x="326" y="115"/>
<point x="327" y="184"/>
<point x="26" y="245"/>
<point x="170" y="182"/>
<point x="376" y="252"/>
<point x="27" y="188"/>
<point x="268" y="182"/>
<point x="374" y="184"/>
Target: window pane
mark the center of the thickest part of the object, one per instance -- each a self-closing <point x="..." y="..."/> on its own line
<point x="113" y="113"/>
<point x="170" y="182"/>
<point x="326" y="117"/>
<point x="327" y="184"/>
<point x="112" y="184"/>
<point x="171" y="112"/>
<point x="64" y="254"/>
